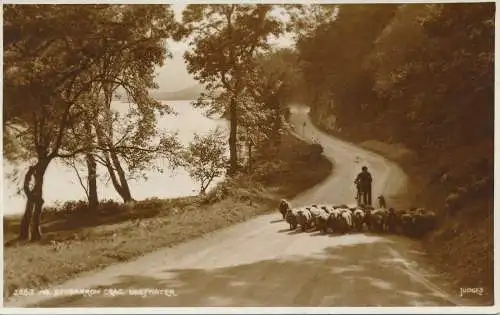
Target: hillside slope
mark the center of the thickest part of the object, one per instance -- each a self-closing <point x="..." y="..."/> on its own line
<point x="422" y="79"/>
<point x="463" y="244"/>
<point x="189" y="93"/>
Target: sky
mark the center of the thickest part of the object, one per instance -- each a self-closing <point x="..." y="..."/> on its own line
<point x="173" y="75"/>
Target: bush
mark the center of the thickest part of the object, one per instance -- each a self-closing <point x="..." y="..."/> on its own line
<point x="150" y="203"/>
<point x="68" y="208"/>
<point x="111" y="207"/>
<point x="315" y="151"/>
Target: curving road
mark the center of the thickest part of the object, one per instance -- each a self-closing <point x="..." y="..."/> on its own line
<point x="261" y="263"/>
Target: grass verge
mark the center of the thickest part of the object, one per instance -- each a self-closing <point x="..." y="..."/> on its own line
<point x="76" y="241"/>
<point x="462" y="246"/>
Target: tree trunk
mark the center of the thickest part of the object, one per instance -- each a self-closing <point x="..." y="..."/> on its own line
<point x="250" y="165"/>
<point x="277" y="122"/>
<point x="233" y="148"/>
<point x="203" y="190"/>
<point x="92" y="182"/>
<point x="36" y="233"/>
<point x="113" y="164"/>
<point x="109" y="165"/>
<point x="92" y="196"/>
<point x="122" y="190"/>
<point x="24" y="232"/>
<point x="125" y="189"/>
<point x="24" y="228"/>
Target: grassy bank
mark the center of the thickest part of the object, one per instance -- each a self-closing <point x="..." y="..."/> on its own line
<point x="76" y="241"/>
<point x="462" y="246"/>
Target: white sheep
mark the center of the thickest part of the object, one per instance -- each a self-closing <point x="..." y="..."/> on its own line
<point x="377" y="219"/>
<point x="358" y="217"/>
<point x="283" y="207"/>
<point x="305" y="218"/>
<point x="346" y="220"/>
<point x="334" y="220"/>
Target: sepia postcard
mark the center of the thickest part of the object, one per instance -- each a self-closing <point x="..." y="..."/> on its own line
<point x="248" y="157"/>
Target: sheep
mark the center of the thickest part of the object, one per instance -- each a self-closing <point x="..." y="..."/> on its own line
<point x="316" y="206"/>
<point x="320" y="207"/>
<point x="322" y="221"/>
<point x="283" y="207"/>
<point x="358" y="217"/>
<point x="423" y="221"/>
<point x="417" y="223"/>
<point x="351" y="207"/>
<point x="348" y="224"/>
<point x="314" y="209"/>
<point x="316" y="213"/>
<point x="377" y="218"/>
<point x="367" y="218"/>
<point x="366" y="207"/>
<point x="334" y="220"/>
<point x="305" y="218"/>
<point x="345" y="220"/>
<point x="291" y="218"/>
<point x="376" y="222"/>
<point x="326" y="209"/>
<point x="430" y="220"/>
<point x="407" y="223"/>
<point x="340" y="206"/>
<point x="391" y="221"/>
<point x="381" y="201"/>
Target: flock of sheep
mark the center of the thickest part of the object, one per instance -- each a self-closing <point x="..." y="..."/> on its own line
<point x="344" y="219"/>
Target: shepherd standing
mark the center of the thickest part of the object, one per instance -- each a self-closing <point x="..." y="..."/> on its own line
<point x="364" y="185"/>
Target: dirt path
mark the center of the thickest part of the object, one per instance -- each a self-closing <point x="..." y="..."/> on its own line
<point x="261" y="263"/>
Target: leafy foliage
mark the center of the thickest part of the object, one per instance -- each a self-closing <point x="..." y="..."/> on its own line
<point x="62" y="66"/>
<point x="205" y="158"/>
<point x="412" y="76"/>
<point x="272" y="84"/>
<point x="224" y="40"/>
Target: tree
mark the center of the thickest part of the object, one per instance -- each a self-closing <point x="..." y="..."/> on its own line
<point x="205" y="158"/>
<point x="256" y="126"/>
<point x="436" y="57"/>
<point x="304" y="20"/>
<point x="273" y="83"/>
<point x="417" y="74"/>
<point x="43" y="80"/>
<point x="332" y="59"/>
<point x="54" y="57"/>
<point x="225" y="39"/>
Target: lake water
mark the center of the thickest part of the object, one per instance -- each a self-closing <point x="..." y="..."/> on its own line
<point x="61" y="183"/>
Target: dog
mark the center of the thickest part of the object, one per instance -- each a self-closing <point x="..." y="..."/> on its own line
<point x="381" y="202"/>
<point x="283" y="207"/>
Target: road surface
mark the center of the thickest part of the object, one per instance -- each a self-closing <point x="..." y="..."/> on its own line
<point x="261" y="263"/>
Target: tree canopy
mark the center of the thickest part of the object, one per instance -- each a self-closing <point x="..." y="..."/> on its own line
<point x="62" y="65"/>
<point x="417" y="74"/>
<point x="224" y="40"/>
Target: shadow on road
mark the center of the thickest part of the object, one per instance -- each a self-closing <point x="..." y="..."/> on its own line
<point x="277" y="221"/>
<point x="348" y="274"/>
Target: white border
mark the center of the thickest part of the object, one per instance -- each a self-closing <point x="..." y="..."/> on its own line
<point x="255" y="310"/>
<point x="277" y="310"/>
